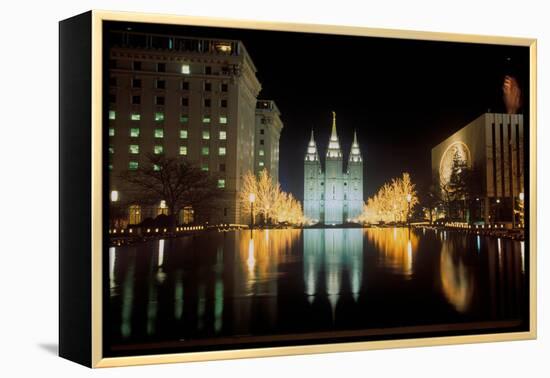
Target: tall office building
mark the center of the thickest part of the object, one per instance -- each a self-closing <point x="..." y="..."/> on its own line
<point x="186" y="97"/>
<point x="493" y="147"/>
<point x="333" y="196"/>
<point x="268" y="133"/>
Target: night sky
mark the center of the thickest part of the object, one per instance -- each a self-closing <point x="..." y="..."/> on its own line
<point x="403" y="97"/>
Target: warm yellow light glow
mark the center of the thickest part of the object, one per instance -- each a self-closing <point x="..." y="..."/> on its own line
<point x="251" y="197"/>
<point x="392" y="203"/>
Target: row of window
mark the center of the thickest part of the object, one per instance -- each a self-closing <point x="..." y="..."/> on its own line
<point x="161" y="84"/>
<point x="159" y="133"/>
<point x="159" y="149"/>
<point x="159" y="117"/>
<point x="160" y="100"/>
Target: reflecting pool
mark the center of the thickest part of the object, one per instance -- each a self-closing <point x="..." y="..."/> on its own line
<point x="244" y="288"/>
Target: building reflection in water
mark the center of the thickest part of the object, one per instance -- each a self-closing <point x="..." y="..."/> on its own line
<point x="334" y="252"/>
<point x="251" y="283"/>
<point x="395" y="248"/>
<point x="457" y="279"/>
<point x="256" y="274"/>
<point x="127" y="297"/>
<point x="112" y="261"/>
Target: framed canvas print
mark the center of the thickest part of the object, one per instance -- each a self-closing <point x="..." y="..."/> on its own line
<point x="235" y="189"/>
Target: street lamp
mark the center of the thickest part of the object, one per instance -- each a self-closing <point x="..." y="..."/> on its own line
<point x="409" y="198"/>
<point x="252" y="198"/>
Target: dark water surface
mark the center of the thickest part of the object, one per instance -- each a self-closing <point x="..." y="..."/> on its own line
<point x="240" y="287"/>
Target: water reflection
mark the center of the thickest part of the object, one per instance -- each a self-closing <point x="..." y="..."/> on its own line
<point x="335" y="252"/>
<point x="286" y="281"/>
<point x="395" y="248"/>
<point x="457" y="279"/>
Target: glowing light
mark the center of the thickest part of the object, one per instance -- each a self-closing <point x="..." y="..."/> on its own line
<point x="114" y="196"/>
<point x="521" y="196"/>
<point x="251" y="261"/>
<point x="112" y="258"/>
<point x="161" y="252"/>
<point x="185" y="69"/>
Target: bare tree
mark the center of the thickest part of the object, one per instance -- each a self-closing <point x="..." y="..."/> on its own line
<point x="176" y="181"/>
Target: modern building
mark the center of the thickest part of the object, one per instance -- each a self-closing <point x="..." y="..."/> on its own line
<point x="492" y="146"/>
<point x="333" y="196"/>
<point x="194" y="98"/>
<point x="268" y="133"/>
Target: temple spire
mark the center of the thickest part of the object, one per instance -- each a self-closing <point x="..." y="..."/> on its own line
<point x="355" y="153"/>
<point x="312" y="154"/>
<point x="333" y="150"/>
<point x="333" y="135"/>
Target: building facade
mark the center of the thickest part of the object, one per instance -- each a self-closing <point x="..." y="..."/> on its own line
<point x="492" y="146"/>
<point x="332" y="195"/>
<point x="193" y="98"/>
<point x="268" y="133"/>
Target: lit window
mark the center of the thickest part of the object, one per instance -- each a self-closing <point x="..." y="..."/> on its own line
<point x="221" y="183"/>
<point x="261" y="152"/>
<point x="221" y="151"/>
<point x="133" y="165"/>
<point x="114" y="195"/>
<point x="135" y="116"/>
<point x="135" y="214"/>
<point x="133" y="149"/>
<point x="185" y="69"/>
<point x="111" y="150"/>
<point x="206" y="119"/>
<point x="183" y="150"/>
<point x="156" y="167"/>
<point x="223" y="135"/>
<point x="183" y="134"/>
<point x="223" y="120"/>
<point x="261" y="163"/>
<point x="111" y="131"/>
<point x="184" y="118"/>
<point x="159" y="116"/>
<point x="205" y="151"/>
<point x="134" y="132"/>
<point x="159" y="133"/>
<point x="204" y="167"/>
<point x="206" y="134"/>
<point x="112" y="114"/>
<point x="158" y="150"/>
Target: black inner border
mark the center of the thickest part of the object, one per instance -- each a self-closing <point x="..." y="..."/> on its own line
<point x="108" y="351"/>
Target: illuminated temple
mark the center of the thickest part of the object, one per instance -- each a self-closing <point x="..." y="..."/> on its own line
<point x="333" y="195"/>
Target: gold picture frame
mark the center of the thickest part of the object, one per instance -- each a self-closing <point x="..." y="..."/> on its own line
<point x="96" y="18"/>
